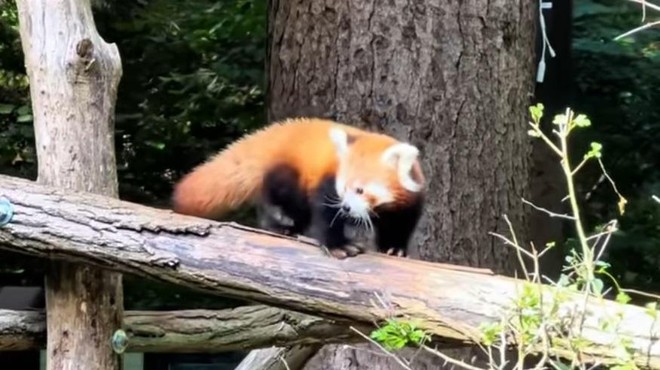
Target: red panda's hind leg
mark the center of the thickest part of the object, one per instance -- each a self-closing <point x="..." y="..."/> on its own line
<point x="273" y="218"/>
<point x="283" y="207"/>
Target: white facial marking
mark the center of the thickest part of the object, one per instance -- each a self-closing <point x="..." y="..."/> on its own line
<point x="402" y="156"/>
<point x="357" y="206"/>
<point x="339" y="138"/>
<point x="340" y="184"/>
<point x="380" y="192"/>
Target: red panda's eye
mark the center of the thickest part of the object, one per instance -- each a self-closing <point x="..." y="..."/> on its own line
<point x="359" y="190"/>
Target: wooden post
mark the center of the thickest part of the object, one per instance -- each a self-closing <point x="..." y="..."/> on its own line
<point x="74" y="76"/>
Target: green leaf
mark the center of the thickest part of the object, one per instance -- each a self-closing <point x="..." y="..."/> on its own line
<point x="623" y="298"/>
<point x="23" y="110"/>
<point x="562" y="366"/>
<point x="536" y="112"/>
<point x="6" y="108"/>
<point x="564" y="280"/>
<point x="621" y="367"/>
<point x="651" y="309"/>
<point x="533" y="133"/>
<point x="157" y="145"/>
<point x="598" y="286"/>
<point x="24" y="118"/>
<point x="601" y="263"/>
<point x="490" y="333"/>
<point x="582" y="121"/>
<point x="595" y="151"/>
<point x="560" y="119"/>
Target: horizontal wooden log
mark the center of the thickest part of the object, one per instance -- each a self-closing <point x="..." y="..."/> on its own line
<point x="236" y="261"/>
<point x="192" y="331"/>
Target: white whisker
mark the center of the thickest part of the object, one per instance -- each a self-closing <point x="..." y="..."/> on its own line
<point x="364" y="224"/>
<point x="361" y="223"/>
<point x="371" y="225"/>
<point x="332" y="198"/>
<point x="335" y="217"/>
<point x="332" y="202"/>
<point x="372" y="213"/>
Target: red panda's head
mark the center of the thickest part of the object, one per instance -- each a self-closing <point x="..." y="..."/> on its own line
<point x="375" y="171"/>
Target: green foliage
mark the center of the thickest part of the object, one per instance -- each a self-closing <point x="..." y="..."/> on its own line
<point x="396" y="334"/>
<point x="617" y="86"/>
<point x="193" y="76"/>
<point x="16" y="133"/>
<point x="193" y="81"/>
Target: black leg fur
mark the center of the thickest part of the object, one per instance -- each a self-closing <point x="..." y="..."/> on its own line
<point x="273" y="218"/>
<point x="327" y="224"/>
<point x="394" y="227"/>
<point x="284" y="207"/>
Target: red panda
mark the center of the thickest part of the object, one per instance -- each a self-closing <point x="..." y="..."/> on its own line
<point x="319" y="174"/>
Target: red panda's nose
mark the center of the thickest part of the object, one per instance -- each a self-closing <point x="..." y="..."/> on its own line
<point x="346" y="208"/>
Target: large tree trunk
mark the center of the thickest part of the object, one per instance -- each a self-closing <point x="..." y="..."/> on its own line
<point x="74" y="75"/>
<point x="454" y="78"/>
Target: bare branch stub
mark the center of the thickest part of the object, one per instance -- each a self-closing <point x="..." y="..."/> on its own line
<point x="84" y="48"/>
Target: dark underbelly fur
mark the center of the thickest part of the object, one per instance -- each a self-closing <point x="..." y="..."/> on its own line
<point x="286" y="209"/>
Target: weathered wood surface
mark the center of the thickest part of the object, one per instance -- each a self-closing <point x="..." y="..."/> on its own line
<point x="193" y="331"/>
<point x="236" y="261"/>
<point x="74" y="75"/>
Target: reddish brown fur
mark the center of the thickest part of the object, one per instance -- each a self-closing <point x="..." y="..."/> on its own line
<point x="364" y="165"/>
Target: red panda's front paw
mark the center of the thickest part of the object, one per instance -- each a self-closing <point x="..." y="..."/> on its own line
<point x="345" y="251"/>
<point x="396" y="252"/>
<point x="353" y="250"/>
<point x="338" y="253"/>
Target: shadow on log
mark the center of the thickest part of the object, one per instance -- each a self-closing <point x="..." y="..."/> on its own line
<point x="235" y="261"/>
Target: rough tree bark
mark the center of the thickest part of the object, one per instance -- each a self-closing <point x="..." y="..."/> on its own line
<point x="453" y="77"/>
<point x="73" y="76"/>
<point x="448" y="301"/>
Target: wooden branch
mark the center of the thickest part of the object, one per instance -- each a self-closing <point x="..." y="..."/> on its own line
<point x="193" y="331"/>
<point x="236" y="261"/>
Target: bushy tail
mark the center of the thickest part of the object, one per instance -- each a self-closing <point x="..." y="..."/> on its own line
<point x="223" y="183"/>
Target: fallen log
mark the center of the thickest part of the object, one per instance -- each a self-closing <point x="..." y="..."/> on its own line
<point x="192" y="331"/>
<point x="240" y="262"/>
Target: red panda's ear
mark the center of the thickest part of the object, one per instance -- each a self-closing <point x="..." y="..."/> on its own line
<point x="403" y="157"/>
<point x="339" y="138"/>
